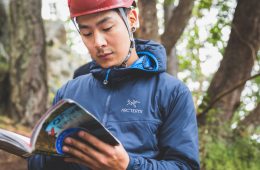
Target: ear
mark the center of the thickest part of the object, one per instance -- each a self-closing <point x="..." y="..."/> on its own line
<point x="133" y="18"/>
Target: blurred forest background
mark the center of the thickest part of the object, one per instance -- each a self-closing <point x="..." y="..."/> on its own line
<point x="212" y="45"/>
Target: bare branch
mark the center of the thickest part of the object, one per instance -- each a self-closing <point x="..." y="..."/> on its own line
<point x="176" y="24"/>
<point x="223" y="94"/>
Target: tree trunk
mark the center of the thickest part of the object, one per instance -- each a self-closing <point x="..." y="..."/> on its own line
<point x="148" y="20"/>
<point x="4" y="59"/>
<point x="168" y="7"/>
<point x="173" y="62"/>
<point x="28" y="77"/>
<point x="237" y="62"/>
<point x="174" y="28"/>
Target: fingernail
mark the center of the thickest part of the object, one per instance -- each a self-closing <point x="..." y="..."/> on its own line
<point x="81" y="133"/>
<point x="67" y="140"/>
<point x="65" y="149"/>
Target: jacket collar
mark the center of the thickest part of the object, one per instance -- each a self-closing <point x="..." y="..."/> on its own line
<point x="152" y="60"/>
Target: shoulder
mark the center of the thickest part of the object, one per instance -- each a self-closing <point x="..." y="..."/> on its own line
<point x="74" y="85"/>
<point x="171" y="91"/>
<point x="174" y="98"/>
<point x="82" y="70"/>
<point x="169" y="83"/>
<point x="77" y="82"/>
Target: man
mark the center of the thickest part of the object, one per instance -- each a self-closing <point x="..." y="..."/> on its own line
<point x="150" y="112"/>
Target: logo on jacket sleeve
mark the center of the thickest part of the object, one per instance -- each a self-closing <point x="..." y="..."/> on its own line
<point x="131" y="107"/>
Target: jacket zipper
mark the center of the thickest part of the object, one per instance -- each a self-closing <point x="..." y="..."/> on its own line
<point x="105" y="82"/>
<point x="104" y="120"/>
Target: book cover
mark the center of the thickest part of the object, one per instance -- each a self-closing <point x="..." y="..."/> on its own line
<point x="63" y="119"/>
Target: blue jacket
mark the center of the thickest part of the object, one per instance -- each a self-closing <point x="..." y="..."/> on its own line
<point x="149" y="111"/>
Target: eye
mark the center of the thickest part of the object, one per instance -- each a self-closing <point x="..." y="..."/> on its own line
<point x="86" y="34"/>
<point x="107" y="29"/>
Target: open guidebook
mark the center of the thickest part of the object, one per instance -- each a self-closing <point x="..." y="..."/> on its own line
<point x="64" y="119"/>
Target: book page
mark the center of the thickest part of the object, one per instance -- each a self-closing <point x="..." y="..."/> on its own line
<point x="14" y="143"/>
<point x="69" y="115"/>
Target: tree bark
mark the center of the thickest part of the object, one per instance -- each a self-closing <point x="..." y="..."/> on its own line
<point x="4" y="59"/>
<point x="28" y="79"/>
<point x="176" y="20"/>
<point x="238" y="60"/>
<point x="174" y="28"/>
<point x="148" y="20"/>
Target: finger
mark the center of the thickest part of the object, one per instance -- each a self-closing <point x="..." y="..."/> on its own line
<point x="79" y="157"/>
<point x="82" y="147"/>
<point x="97" y="143"/>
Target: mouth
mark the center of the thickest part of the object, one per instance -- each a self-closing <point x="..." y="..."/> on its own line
<point x="105" y="55"/>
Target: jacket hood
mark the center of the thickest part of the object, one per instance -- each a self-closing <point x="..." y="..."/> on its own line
<point x="152" y="60"/>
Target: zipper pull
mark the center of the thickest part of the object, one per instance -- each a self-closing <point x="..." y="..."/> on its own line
<point x="105" y="82"/>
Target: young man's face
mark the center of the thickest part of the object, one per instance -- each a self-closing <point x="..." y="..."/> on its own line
<point x="106" y="37"/>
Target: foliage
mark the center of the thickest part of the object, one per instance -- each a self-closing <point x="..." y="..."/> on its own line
<point x="168" y="2"/>
<point x="250" y="96"/>
<point x="238" y="154"/>
<point x="220" y="147"/>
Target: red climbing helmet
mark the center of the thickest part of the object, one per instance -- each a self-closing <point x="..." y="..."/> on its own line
<point x="83" y="7"/>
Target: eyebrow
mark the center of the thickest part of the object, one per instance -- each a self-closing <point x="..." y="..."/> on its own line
<point x="97" y="24"/>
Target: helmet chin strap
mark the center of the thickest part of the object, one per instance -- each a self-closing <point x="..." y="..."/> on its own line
<point x="131" y="36"/>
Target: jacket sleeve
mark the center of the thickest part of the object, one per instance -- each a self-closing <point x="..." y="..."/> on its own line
<point x="43" y="162"/>
<point x="178" y="138"/>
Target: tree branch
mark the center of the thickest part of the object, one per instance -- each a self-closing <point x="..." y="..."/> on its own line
<point x="176" y="24"/>
<point x="223" y="94"/>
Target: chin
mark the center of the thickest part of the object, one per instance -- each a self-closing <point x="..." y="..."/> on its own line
<point x="106" y="65"/>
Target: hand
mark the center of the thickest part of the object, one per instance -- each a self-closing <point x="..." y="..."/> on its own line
<point x="104" y="157"/>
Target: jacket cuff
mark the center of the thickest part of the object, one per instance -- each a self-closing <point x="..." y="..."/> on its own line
<point x="133" y="163"/>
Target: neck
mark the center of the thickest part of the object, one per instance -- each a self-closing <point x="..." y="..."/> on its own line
<point x="132" y="58"/>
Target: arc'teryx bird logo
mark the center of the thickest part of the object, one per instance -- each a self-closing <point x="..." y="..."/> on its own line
<point x="132" y="103"/>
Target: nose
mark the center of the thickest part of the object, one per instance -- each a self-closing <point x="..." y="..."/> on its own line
<point x="99" y="40"/>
